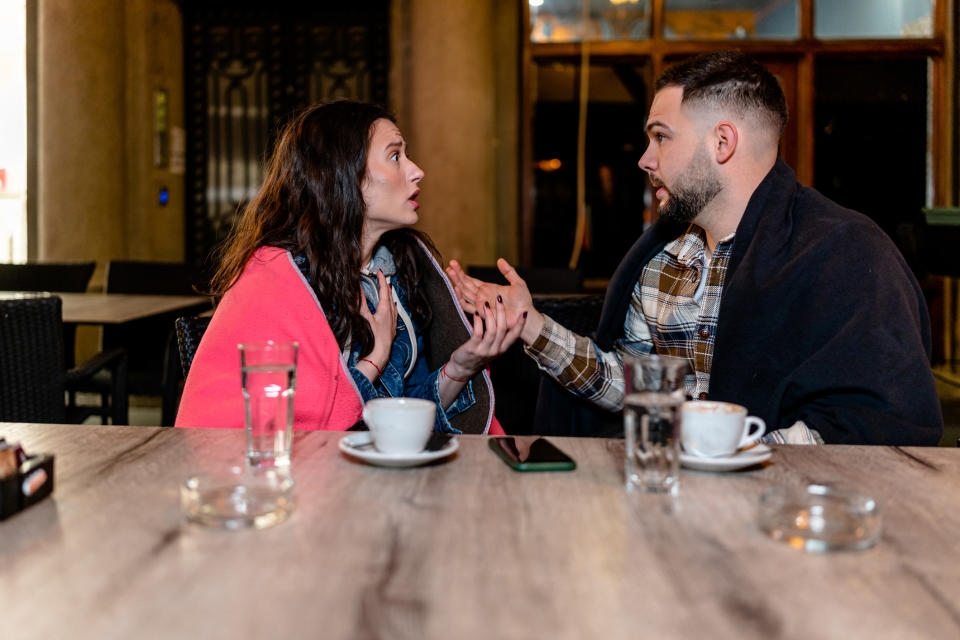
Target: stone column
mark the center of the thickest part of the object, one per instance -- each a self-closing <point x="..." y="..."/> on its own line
<point x="80" y="130"/>
<point x="453" y="86"/>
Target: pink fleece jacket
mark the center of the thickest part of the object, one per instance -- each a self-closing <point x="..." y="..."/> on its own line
<point x="273" y="301"/>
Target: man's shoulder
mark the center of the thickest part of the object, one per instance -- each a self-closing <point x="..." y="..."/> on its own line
<point x="819" y="217"/>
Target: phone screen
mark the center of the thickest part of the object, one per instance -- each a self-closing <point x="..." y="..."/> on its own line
<point x="542" y="455"/>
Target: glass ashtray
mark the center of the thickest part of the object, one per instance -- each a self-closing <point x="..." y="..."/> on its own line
<point x="238" y="498"/>
<point x="820" y="518"/>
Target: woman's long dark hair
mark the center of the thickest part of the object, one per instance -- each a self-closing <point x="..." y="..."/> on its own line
<point x="311" y="203"/>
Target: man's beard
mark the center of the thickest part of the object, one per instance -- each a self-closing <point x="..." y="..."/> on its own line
<point x="693" y="190"/>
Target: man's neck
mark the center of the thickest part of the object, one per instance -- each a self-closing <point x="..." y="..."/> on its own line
<point x="721" y="217"/>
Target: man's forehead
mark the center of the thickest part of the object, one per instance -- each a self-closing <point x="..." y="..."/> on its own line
<point x="666" y="106"/>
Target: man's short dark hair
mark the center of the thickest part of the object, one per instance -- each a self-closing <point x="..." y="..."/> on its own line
<point x="730" y="79"/>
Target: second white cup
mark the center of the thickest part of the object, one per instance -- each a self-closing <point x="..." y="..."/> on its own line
<point x="711" y="429"/>
<point x="400" y="425"/>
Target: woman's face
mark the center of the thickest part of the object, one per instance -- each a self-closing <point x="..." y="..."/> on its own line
<point x="390" y="185"/>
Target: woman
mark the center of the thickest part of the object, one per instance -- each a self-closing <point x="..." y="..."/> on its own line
<point x="323" y="256"/>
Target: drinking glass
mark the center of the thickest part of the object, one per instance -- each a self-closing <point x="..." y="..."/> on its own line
<point x="654" y="388"/>
<point x="269" y="377"/>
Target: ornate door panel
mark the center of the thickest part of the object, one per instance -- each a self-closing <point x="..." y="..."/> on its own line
<point x="249" y="67"/>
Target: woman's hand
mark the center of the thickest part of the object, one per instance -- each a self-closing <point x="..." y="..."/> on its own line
<point x="492" y="335"/>
<point x="383" y="323"/>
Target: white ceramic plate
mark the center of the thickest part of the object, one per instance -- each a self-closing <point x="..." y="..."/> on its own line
<point x="739" y="460"/>
<point x="360" y="445"/>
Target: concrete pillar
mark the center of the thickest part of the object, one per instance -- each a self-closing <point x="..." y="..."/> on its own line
<point x="80" y="129"/>
<point x="454" y="92"/>
<point x="99" y="65"/>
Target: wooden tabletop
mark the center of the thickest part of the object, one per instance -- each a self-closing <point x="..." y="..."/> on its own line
<point x="468" y="548"/>
<point x="117" y="308"/>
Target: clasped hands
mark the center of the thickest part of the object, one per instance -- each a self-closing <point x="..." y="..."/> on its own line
<point x="515" y="299"/>
<point x="497" y="321"/>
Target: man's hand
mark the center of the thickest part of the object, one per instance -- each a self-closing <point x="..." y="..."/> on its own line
<point x="516" y="299"/>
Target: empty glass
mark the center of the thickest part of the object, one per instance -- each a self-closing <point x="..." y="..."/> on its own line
<point x="654" y="389"/>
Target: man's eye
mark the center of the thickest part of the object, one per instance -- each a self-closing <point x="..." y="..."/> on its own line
<point x="395" y="156"/>
<point x="659" y="137"/>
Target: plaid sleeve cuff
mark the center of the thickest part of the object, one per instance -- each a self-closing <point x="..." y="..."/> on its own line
<point x="555" y="347"/>
<point x="797" y="433"/>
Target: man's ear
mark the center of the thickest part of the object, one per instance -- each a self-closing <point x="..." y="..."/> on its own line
<point x="726" y="138"/>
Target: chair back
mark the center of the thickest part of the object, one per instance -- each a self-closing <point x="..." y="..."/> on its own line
<point x="151" y="278"/>
<point x="538" y="279"/>
<point x="69" y="277"/>
<point x="31" y="360"/>
<point x="190" y="330"/>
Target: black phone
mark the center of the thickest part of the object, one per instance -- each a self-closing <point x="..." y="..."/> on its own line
<point x="542" y="456"/>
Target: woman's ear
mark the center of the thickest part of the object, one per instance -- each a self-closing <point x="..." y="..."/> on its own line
<point x="727" y="138"/>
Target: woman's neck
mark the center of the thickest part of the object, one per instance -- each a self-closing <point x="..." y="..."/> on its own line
<point x="367" y="245"/>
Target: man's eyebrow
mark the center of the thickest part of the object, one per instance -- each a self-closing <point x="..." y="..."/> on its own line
<point x="656" y="123"/>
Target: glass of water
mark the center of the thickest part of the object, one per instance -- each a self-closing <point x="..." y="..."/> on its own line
<point x="269" y="377"/>
<point x="654" y="389"/>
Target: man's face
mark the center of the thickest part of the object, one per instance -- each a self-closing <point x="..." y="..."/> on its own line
<point x="677" y="160"/>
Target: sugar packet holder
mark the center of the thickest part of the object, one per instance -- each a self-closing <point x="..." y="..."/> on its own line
<point x="32" y="482"/>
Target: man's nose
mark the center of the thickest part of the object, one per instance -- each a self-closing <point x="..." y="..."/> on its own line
<point x="647" y="162"/>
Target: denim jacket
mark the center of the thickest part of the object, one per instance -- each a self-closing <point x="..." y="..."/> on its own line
<point x="421" y="383"/>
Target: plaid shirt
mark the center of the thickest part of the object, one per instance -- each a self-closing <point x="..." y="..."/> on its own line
<point x="673" y="311"/>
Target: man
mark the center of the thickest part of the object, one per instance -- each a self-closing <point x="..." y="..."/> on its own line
<point x="780" y="299"/>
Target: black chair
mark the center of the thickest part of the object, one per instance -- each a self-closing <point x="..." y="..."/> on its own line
<point x="516" y="379"/>
<point x="32" y="374"/>
<point x="190" y="331"/>
<point x="68" y="277"/>
<point x="539" y="279"/>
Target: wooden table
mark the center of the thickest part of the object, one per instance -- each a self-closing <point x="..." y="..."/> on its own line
<point x="467" y="549"/>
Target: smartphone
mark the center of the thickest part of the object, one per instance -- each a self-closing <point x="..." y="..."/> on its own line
<point x="542" y="456"/>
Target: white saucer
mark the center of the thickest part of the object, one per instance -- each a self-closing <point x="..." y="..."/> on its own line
<point x="739" y="460"/>
<point x="360" y="445"/>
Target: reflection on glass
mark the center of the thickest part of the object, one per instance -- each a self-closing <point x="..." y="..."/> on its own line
<point x="730" y="19"/>
<point x="615" y="187"/>
<point x="578" y="20"/>
<point x="873" y="19"/>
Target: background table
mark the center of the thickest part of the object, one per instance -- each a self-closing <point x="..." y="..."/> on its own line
<point x="117" y="308"/>
<point x="467" y="549"/>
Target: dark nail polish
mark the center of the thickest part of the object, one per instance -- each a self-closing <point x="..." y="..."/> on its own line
<point x="486" y="304"/>
<point x="524" y="315"/>
<point x="499" y="299"/>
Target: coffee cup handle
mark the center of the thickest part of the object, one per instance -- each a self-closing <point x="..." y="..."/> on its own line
<point x="751" y="437"/>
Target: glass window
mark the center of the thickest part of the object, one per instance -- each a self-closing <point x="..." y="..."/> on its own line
<point x="578" y="20"/>
<point x="614" y="188"/>
<point x="873" y="19"/>
<point x="730" y="19"/>
<point x="13" y="132"/>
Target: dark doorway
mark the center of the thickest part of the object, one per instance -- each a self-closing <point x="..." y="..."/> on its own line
<point x="248" y="67"/>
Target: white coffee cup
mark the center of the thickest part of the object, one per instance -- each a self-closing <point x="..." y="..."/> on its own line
<point x="400" y="425"/>
<point x="711" y="429"/>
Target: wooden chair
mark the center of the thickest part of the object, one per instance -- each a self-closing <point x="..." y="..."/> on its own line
<point x="32" y="374"/>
